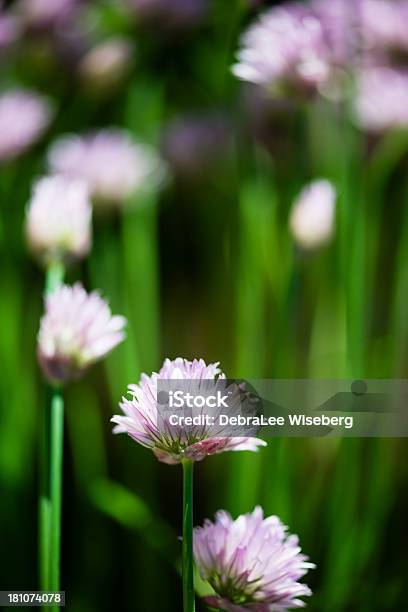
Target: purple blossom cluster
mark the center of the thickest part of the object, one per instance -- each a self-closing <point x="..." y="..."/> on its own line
<point x="252" y="563"/>
<point x="77" y="330"/>
<point x="110" y="161"/>
<point x="285" y="48"/>
<point x="171" y="444"/>
<point x="334" y="48"/>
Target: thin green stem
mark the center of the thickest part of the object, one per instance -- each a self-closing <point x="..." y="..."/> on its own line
<point x="51" y="469"/>
<point x="56" y="455"/>
<point x="44" y="507"/>
<point x="188" y="575"/>
<point x="54" y="277"/>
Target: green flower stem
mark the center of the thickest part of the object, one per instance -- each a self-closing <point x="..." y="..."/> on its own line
<point x="188" y="575"/>
<point x="51" y="469"/>
<point x="56" y="454"/>
<point x="44" y="507"/>
<point x="54" y="277"/>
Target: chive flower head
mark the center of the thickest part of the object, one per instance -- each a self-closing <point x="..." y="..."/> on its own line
<point x="252" y="563"/>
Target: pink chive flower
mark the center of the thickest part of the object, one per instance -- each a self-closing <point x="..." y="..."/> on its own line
<point x="340" y="22"/>
<point x="143" y="422"/>
<point x="252" y="563"/>
<point x="110" y="161"/>
<point x="312" y="216"/>
<point x="285" y="48"/>
<point x="24" y="116"/>
<point x="58" y="220"/>
<point x="384" y="26"/>
<point x="381" y="101"/>
<point x="76" y="330"/>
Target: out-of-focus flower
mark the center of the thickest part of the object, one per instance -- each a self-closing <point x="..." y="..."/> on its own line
<point x="312" y="217"/>
<point x="24" y="116"/>
<point x="384" y="26"/>
<point x="9" y="30"/>
<point x="144" y="422"/>
<point x="110" y="161"/>
<point x="252" y="563"/>
<point x="195" y="144"/>
<point x="178" y="14"/>
<point x="284" y="49"/>
<point x="76" y="330"/>
<point x="340" y="22"/>
<point x="58" y="221"/>
<point x="107" y="63"/>
<point x="47" y="13"/>
<point x="381" y="100"/>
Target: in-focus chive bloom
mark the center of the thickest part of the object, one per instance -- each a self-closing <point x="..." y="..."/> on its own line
<point x="24" y="116"/>
<point x="76" y="330"/>
<point x="313" y="213"/>
<point x="285" y="49"/>
<point x="143" y="422"/>
<point x="252" y="563"/>
<point x="107" y="63"/>
<point x="110" y="161"/>
<point x="58" y="220"/>
<point x="381" y="100"/>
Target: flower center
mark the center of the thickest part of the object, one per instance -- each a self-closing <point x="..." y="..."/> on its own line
<point x="237" y="590"/>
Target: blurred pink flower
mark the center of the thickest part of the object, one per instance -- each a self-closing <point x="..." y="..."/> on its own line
<point x="9" y="29"/>
<point x="252" y="563"/>
<point x="47" y="13"/>
<point x="195" y="145"/>
<point x="381" y="100"/>
<point x="76" y="330"/>
<point x="312" y="217"/>
<point x="107" y="63"/>
<point x="171" y="444"/>
<point x="58" y="220"/>
<point x="284" y="48"/>
<point x="24" y="116"/>
<point x="340" y="21"/>
<point x="110" y="161"/>
<point x="384" y="26"/>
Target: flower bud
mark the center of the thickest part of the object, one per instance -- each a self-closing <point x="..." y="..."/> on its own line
<point x="58" y="220"/>
<point x="312" y="217"/>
